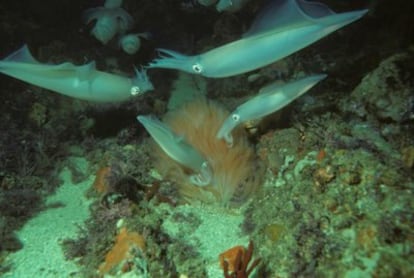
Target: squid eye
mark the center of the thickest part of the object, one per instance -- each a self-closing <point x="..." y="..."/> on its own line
<point x="235" y="117"/>
<point x="135" y="90"/>
<point x="197" y="68"/>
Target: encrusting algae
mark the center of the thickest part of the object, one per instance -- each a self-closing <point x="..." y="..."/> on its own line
<point x="237" y="173"/>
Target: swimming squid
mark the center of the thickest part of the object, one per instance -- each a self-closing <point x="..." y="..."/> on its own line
<point x="283" y="28"/>
<point x="82" y="82"/>
<point x="110" y="19"/>
<point x="270" y="98"/>
<point x="178" y="149"/>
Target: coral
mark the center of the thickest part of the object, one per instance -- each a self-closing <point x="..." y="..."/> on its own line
<point x="236" y="171"/>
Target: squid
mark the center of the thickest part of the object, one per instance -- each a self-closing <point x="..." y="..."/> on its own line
<point x="286" y="26"/>
<point x="82" y="82"/>
<point x="177" y="148"/>
<point x="270" y="99"/>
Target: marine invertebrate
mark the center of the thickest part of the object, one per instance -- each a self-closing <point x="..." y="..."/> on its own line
<point x="270" y="99"/>
<point x="122" y="255"/>
<point x="110" y="20"/>
<point x="284" y="27"/>
<point x="178" y="149"/>
<point x="82" y="82"/>
<point x="100" y="184"/>
<point x="235" y="172"/>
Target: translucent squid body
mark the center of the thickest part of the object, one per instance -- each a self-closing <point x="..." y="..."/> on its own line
<point x="283" y="28"/>
<point x="178" y="149"/>
<point x="111" y="19"/>
<point x="82" y="82"/>
<point x="271" y="98"/>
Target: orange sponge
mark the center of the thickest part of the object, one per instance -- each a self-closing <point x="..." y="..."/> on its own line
<point x="121" y="251"/>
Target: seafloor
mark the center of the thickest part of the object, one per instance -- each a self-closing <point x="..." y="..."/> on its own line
<point x="82" y="193"/>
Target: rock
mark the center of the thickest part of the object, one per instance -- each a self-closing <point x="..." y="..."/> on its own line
<point x="386" y="93"/>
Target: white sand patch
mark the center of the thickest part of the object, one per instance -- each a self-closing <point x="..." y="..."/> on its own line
<point x="41" y="255"/>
